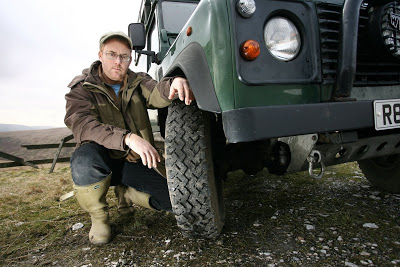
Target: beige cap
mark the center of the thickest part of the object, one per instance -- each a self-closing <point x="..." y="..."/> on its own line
<point x="108" y="35"/>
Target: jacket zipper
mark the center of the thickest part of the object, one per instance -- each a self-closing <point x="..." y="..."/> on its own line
<point x="101" y="91"/>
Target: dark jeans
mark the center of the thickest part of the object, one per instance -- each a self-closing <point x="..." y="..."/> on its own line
<point x="91" y="163"/>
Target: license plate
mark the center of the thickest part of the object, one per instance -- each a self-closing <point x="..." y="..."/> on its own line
<point x="387" y="114"/>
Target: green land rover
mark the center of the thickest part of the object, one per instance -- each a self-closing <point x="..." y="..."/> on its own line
<point x="287" y="85"/>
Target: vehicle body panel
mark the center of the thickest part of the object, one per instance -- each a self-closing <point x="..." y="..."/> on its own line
<point x="268" y="98"/>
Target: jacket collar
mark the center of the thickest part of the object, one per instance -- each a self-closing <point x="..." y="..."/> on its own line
<point x="92" y="76"/>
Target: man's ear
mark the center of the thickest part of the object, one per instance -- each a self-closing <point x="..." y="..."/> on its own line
<point x="100" y="57"/>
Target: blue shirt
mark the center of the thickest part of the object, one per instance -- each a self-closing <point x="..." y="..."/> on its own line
<point x="115" y="87"/>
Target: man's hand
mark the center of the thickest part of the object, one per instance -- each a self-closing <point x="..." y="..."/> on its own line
<point x="180" y="87"/>
<point x="146" y="151"/>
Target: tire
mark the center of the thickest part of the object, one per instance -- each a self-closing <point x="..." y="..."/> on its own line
<point x="383" y="172"/>
<point x="196" y="195"/>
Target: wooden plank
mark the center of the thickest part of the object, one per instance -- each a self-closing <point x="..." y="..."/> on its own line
<point x="65" y="139"/>
<point x="10" y="164"/>
<point x="56" y="156"/>
<point x="40" y="161"/>
<point x="16" y="159"/>
<point x="68" y="138"/>
<point x="45" y="146"/>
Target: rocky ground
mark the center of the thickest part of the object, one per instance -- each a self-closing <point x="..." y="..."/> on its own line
<point x="292" y="220"/>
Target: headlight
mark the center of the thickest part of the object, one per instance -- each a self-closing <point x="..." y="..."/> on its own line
<point x="282" y="38"/>
<point x="246" y="8"/>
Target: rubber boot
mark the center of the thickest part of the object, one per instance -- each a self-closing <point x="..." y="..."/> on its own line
<point x="92" y="199"/>
<point x="124" y="204"/>
<point x="127" y="196"/>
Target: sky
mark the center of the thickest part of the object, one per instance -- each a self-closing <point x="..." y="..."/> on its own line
<point x="44" y="44"/>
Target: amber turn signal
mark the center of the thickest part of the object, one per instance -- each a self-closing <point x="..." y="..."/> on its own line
<point x="250" y="50"/>
<point x="189" y="31"/>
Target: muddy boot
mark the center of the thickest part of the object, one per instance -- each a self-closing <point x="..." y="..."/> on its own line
<point x="92" y="199"/>
<point x="124" y="203"/>
<point x="133" y="196"/>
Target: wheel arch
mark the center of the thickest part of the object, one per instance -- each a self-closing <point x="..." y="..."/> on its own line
<point x="192" y="64"/>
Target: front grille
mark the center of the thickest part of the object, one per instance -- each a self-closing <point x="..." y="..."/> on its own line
<point x="371" y="70"/>
<point x="329" y="26"/>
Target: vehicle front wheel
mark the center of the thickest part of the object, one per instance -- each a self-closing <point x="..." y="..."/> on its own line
<point x="195" y="192"/>
<point x="383" y="172"/>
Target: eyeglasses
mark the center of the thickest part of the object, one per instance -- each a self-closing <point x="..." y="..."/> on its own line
<point x="114" y="56"/>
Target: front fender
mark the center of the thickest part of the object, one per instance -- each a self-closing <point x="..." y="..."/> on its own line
<point x="192" y="63"/>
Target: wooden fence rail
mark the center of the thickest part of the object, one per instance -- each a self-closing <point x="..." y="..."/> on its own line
<point x="16" y="161"/>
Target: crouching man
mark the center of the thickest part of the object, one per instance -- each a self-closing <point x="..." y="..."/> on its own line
<point x="106" y="110"/>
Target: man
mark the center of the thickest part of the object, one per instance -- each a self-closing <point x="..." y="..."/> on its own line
<point x="106" y="111"/>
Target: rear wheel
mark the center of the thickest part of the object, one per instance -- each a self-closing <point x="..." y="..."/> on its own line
<point x="196" y="194"/>
<point x="383" y="172"/>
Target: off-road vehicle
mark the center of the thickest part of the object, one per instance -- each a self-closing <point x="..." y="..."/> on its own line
<point x="279" y="84"/>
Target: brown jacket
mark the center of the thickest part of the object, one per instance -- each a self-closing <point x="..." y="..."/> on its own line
<point x="95" y="114"/>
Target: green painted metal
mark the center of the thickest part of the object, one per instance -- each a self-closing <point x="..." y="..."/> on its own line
<point x="212" y="29"/>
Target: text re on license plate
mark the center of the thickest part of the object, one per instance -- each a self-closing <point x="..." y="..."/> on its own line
<point x="387" y="114"/>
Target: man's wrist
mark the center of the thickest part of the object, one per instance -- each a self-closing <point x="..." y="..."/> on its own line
<point x="126" y="144"/>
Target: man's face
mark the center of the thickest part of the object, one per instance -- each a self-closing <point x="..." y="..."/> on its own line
<point x="114" y="69"/>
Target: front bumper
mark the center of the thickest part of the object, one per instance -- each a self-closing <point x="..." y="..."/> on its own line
<point x="258" y="123"/>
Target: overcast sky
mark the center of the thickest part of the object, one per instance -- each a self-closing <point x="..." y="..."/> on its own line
<point x="44" y="44"/>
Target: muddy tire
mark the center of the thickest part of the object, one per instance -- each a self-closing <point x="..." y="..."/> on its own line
<point x="383" y="172"/>
<point x="196" y="195"/>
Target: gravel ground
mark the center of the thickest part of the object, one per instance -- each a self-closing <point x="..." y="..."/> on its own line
<point x="290" y="220"/>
